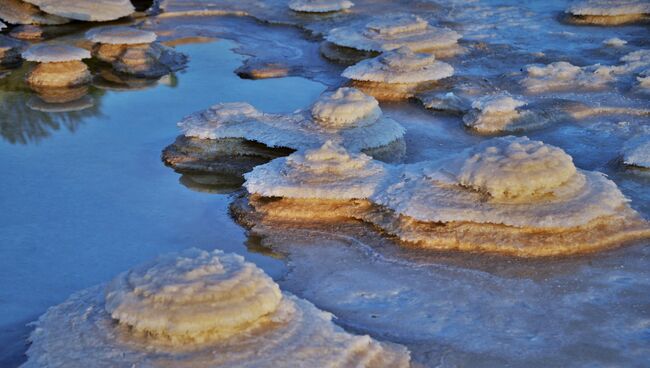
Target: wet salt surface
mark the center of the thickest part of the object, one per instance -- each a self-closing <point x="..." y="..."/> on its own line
<point x="85" y="195"/>
<point x="82" y="214"/>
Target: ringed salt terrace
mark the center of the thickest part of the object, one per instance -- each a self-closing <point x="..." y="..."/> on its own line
<point x="133" y="51"/>
<point x="320" y="6"/>
<point x="507" y="195"/>
<point x="389" y="33"/>
<point x="21" y="12"/>
<point x="199" y="309"/>
<point x="58" y="66"/>
<point x="325" y="184"/>
<point x="347" y="116"/>
<point x="397" y="74"/>
<point x="607" y="12"/>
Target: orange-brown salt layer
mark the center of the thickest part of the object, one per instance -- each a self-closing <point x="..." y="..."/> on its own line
<point x="599" y="234"/>
<point x="606" y="20"/>
<point x="262" y="71"/>
<point x="63" y="74"/>
<point x="392" y="91"/>
<point x="107" y="52"/>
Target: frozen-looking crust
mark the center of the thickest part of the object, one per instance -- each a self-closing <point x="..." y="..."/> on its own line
<point x="120" y="35"/>
<point x="563" y="75"/>
<point x="507" y="195"/>
<point x="84" y="10"/>
<point x="55" y="53"/>
<point x="494" y="113"/>
<point x="607" y="12"/>
<point x="328" y="172"/>
<point x="347" y="116"/>
<point x="198" y="309"/>
<point x="636" y="152"/>
<point x="20" y="12"/>
<point x="319" y="6"/>
<point x="397" y="74"/>
<point x="391" y="32"/>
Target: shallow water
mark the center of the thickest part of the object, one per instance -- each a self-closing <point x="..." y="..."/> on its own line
<point x="86" y="196"/>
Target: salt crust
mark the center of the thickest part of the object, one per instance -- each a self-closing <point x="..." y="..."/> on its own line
<point x="119" y="35"/>
<point x="510" y="181"/>
<point x="2" y="25"/>
<point x="636" y="152"/>
<point x="615" y="42"/>
<point x="95" y="11"/>
<point x="20" y="12"/>
<point x="328" y="172"/>
<point x="300" y="130"/>
<point x="609" y="7"/>
<point x="392" y="32"/>
<point x="401" y="65"/>
<point x="493" y="113"/>
<point x="55" y="53"/>
<point x="185" y="304"/>
<point x="319" y="6"/>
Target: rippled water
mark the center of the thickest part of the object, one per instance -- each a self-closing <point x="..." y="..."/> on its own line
<point x="85" y="195"/>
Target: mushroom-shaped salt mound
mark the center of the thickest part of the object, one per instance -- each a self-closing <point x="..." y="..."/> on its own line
<point x="133" y="51"/>
<point x="346" y="115"/>
<point x="508" y="195"/>
<point x="636" y="152"/>
<point x="389" y="33"/>
<point x="198" y="309"/>
<point x="496" y="113"/>
<point x="319" y="6"/>
<point x="94" y="11"/>
<point x="607" y="12"/>
<point x="397" y="74"/>
<point x="20" y="12"/>
<point x="323" y="183"/>
<point x="59" y="66"/>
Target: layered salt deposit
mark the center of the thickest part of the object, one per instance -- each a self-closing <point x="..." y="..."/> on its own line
<point x="119" y="35"/>
<point x="60" y="66"/>
<point x="328" y="172"/>
<point x="392" y="32"/>
<point x="397" y="73"/>
<point x="493" y="113"/>
<point x="345" y="115"/>
<point x="636" y="152"/>
<point x="563" y="75"/>
<point x="607" y="12"/>
<point x="95" y="11"/>
<point x="319" y="6"/>
<point x="199" y="309"/>
<point x="20" y="12"/>
<point x="510" y="181"/>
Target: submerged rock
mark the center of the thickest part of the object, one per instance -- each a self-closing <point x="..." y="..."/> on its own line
<point x="319" y="6"/>
<point x="397" y="74"/>
<point x="392" y="32"/>
<point x="605" y="12"/>
<point x="59" y="66"/>
<point x="134" y="51"/>
<point x="21" y="12"/>
<point x="93" y="11"/>
<point x="636" y="152"/>
<point x="199" y="309"/>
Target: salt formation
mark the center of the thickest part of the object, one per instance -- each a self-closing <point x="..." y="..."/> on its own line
<point x="59" y="66"/>
<point x="493" y="113"/>
<point x="606" y="12"/>
<point x="397" y="74"/>
<point x="562" y="75"/>
<point x="636" y="152"/>
<point x="27" y="32"/>
<point x="20" y="12"/>
<point x="347" y="116"/>
<point x="94" y="11"/>
<point x="509" y="195"/>
<point x="391" y="32"/>
<point x="319" y="6"/>
<point x="615" y="42"/>
<point x="199" y="309"/>
<point x="133" y="51"/>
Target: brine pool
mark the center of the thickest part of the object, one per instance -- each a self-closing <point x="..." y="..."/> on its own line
<point x="85" y="196"/>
